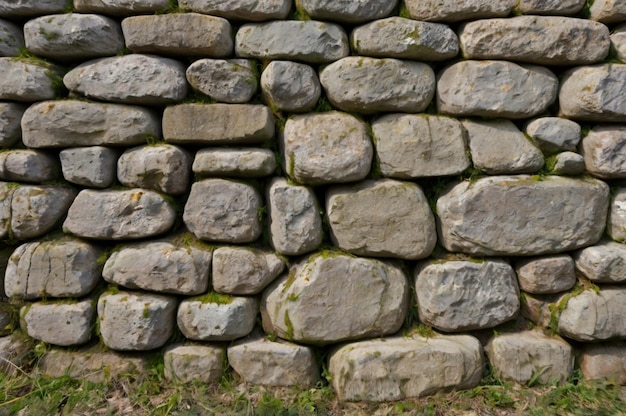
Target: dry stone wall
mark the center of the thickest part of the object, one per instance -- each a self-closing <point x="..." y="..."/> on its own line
<point x="400" y="192"/>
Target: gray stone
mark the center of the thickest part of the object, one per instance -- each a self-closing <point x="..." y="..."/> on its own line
<point x="135" y="321"/>
<point x="225" y="80"/>
<point x="6" y="196"/>
<point x="540" y="309"/>
<point x="618" y="43"/>
<point x="11" y="38"/>
<point x="10" y="123"/>
<point x="159" y="267"/>
<point x="295" y="225"/>
<point x="35" y="210"/>
<point x="495" y="89"/>
<point x="73" y="123"/>
<point x="274" y="363"/>
<point x="568" y="163"/>
<point x="498" y="147"/>
<point x="164" y="167"/>
<point x="252" y="10"/>
<point x="129" y="79"/>
<point x="397" y="37"/>
<point x="223" y="210"/>
<point x="218" y="124"/>
<point x="608" y="11"/>
<point x="530" y="356"/>
<point x="194" y="363"/>
<point x="602" y="151"/>
<point x="56" y="268"/>
<point x="604" y="362"/>
<point x="616" y="223"/>
<point x="119" y="215"/>
<point x="516" y="215"/>
<point x="554" y="134"/>
<point x="244" y="162"/>
<point x="58" y="323"/>
<point x="244" y="270"/>
<point x="306" y="41"/>
<point x="542" y="40"/>
<point x="593" y="93"/>
<point x="27" y="8"/>
<point x="419" y="145"/>
<point x="457" y="10"/>
<point x="217" y="317"/>
<point x="463" y="295"/>
<point x="290" y="86"/>
<point x="370" y="85"/>
<point x="94" y="166"/>
<point x="312" y="306"/>
<point x="604" y="262"/>
<point x="400" y="368"/>
<point x="382" y="218"/>
<point x="322" y="148"/>
<point x="15" y="353"/>
<point x="547" y="274"/>
<point x="73" y="36"/>
<point x="180" y="34"/>
<point x="120" y="7"/>
<point x="27" y="165"/>
<point x="347" y="11"/>
<point x="550" y="7"/>
<point x="28" y="80"/>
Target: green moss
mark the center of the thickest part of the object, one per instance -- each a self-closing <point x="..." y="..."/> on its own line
<point x="404" y="11"/>
<point x="293" y="297"/>
<point x="146" y="311"/>
<point x="213" y="297"/>
<point x="289" y="326"/>
<point x="557" y="308"/>
<point x="49" y="35"/>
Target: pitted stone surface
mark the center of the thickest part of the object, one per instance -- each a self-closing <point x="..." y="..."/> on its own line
<point x="28" y="80"/>
<point x="602" y="151"/>
<point x="347" y="11"/>
<point x="616" y="223"/>
<point x="604" y="262"/>
<point x="225" y="80"/>
<point x="252" y="10"/>
<point x="120" y="7"/>
<point x="554" y="134"/>
<point x="27" y="165"/>
<point x="244" y="270"/>
<point x="28" y="8"/>
<point x="244" y="162"/>
<point x="10" y="123"/>
<point x="35" y="210"/>
<point x="194" y="363"/>
<point x="604" y="362"/>
<point x="457" y="10"/>
<point x="61" y="324"/>
<point x="290" y="86"/>
<point x="94" y="166"/>
<point x="568" y="163"/>
<point x="550" y="7"/>
<point x="547" y="274"/>
<point x="11" y="38"/>
<point x="608" y="11"/>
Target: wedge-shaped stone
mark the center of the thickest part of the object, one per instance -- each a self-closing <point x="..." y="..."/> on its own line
<point x="604" y="362"/>
<point x="542" y="40"/>
<point x="72" y="123"/>
<point x="194" y="363"/>
<point x="400" y="368"/>
<point x="554" y="134"/>
<point x="244" y="270"/>
<point x="495" y="89"/>
<point x="608" y="11"/>
<point x="616" y="223"/>
<point x="129" y="79"/>
<point x="252" y="10"/>
<point x="10" y="123"/>
<point x="550" y="7"/>
<point x="93" y="167"/>
<point x="321" y="148"/>
<point x="218" y="123"/>
<point x="11" y="38"/>
<point x="568" y="163"/>
<point x="59" y="323"/>
<point x="119" y="215"/>
<point x="181" y="34"/>
<point x="306" y="41"/>
<point x="516" y="215"/>
<point x="290" y="86"/>
<point x="602" y="151"/>
<point x="27" y="165"/>
<point x="35" y="210"/>
<point x="370" y="85"/>
<point x="28" y="80"/>
<point x="57" y="268"/>
<point x="234" y="162"/>
<point x="397" y="37"/>
<point x="73" y="36"/>
<point x="28" y="8"/>
<point x="604" y="262"/>
<point x="457" y="10"/>
<point x="383" y="218"/>
<point x="547" y="274"/>
<point x="329" y="298"/>
<point x="120" y="7"/>
<point x="230" y="81"/>
<point x="347" y="11"/>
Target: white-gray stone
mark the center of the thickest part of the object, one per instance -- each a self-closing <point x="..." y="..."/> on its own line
<point x="457" y="10"/>
<point x="6" y="196"/>
<point x="517" y="215"/>
<point x="120" y="7"/>
<point x="604" y="362"/>
<point x="554" y="134"/>
<point x="59" y="323"/>
<point x="547" y="274"/>
<point x="194" y="363"/>
<point x="290" y="86"/>
<point x="35" y="210"/>
<point x="225" y="80"/>
<point x="608" y="11"/>
<point x="495" y="89"/>
<point x="244" y="270"/>
<point x="604" y="262"/>
<point x="10" y="123"/>
<point x="602" y="151"/>
<point x="28" y="80"/>
<point x="244" y="162"/>
<point x="11" y="38"/>
<point x="568" y="163"/>
<point x="28" y="165"/>
<point x="252" y="10"/>
<point x="93" y="166"/>
<point x="347" y="11"/>
<point x="618" y="42"/>
<point x="550" y="7"/>
<point x="28" y="8"/>
<point x="616" y="223"/>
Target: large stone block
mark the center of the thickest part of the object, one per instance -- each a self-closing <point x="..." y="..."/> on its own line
<point x="604" y="262"/>
<point x="10" y="123"/>
<point x="27" y="165"/>
<point x="239" y="162"/>
<point x="604" y="362"/>
<point x="93" y="167"/>
<point x="230" y="81"/>
<point x="546" y="274"/>
<point x="244" y="270"/>
<point x="602" y="151"/>
<point x="458" y="10"/>
<point x="194" y="363"/>
<point x="28" y="80"/>
<point x="28" y="8"/>
<point x="347" y="11"/>
<point x="252" y="10"/>
<point x="550" y="7"/>
<point x="35" y="210"/>
<point x="59" y="323"/>
<point x="120" y="7"/>
<point x="608" y="11"/>
<point x="11" y="38"/>
<point x="290" y="86"/>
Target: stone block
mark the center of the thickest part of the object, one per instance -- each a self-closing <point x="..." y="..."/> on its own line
<point x="244" y="270"/>
<point x="618" y="43"/>
<point x="604" y="262"/>
<point x="458" y="10"/>
<point x="240" y="162"/>
<point x="252" y="10"/>
<point x="120" y="7"/>
<point x="27" y="165"/>
<point x="547" y="274"/>
<point x="35" y="210"/>
<point x="550" y="7"/>
<point x="15" y="353"/>
<point x="11" y="38"/>
<point x="606" y="361"/>
<point x="602" y="151"/>
<point x="59" y="323"/>
<point x="93" y="167"/>
<point x="194" y="363"/>
<point x="29" y="8"/>
<point x="28" y="80"/>
<point x="231" y="81"/>
<point x="608" y="11"/>
<point x="568" y="163"/>
<point x="347" y="11"/>
<point x="554" y="134"/>
<point x="290" y="86"/>
<point x="10" y="123"/>
<point x="616" y="223"/>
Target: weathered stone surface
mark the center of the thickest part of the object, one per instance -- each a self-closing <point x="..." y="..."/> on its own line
<point x="290" y="86"/>
<point x="498" y="147"/>
<point x="604" y="362"/>
<point x="608" y="11"/>
<point x="135" y="321"/>
<point x="568" y="163"/>
<point x="27" y="165"/>
<point x="554" y="134"/>
<point x="495" y="89"/>
<point x="321" y="148"/>
<point x="28" y="80"/>
<point x="347" y="11"/>
<point x="306" y="41"/>
<point x="550" y="7"/>
<point x="463" y="295"/>
<point x="457" y="10"/>
<point x="194" y="363"/>
<point x="10" y="123"/>
<point x="225" y="80"/>
<point x="11" y="38"/>
<point x="71" y="123"/>
<point x="15" y="352"/>
<point x="215" y="317"/>
<point x="604" y="262"/>
<point x="130" y="79"/>
<point x="6" y="196"/>
<point x="295" y="226"/>
<point x="234" y="162"/>
<point x="618" y="42"/>
<point x="35" y="210"/>
<point x="544" y="275"/>
<point x="602" y="151"/>
<point x="244" y="270"/>
<point x="280" y="363"/>
<point x="223" y="210"/>
<point x="94" y="166"/>
<point x="73" y="36"/>
<point x="160" y="267"/>
<point x="252" y="10"/>
<point x="616" y="223"/>
<point x="530" y="355"/>
<point x="538" y="309"/>
<point x="397" y="37"/>
<point x="27" y="8"/>
<point x="542" y="40"/>
<point x="382" y="218"/>
<point x="62" y="324"/>
<point x="218" y="124"/>
<point x="120" y="7"/>
<point x="56" y="268"/>
<point x="312" y="306"/>
<point x="516" y="215"/>
<point x="593" y="93"/>
<point x="180" y="34"/>
<point x="370" y="85"/>
<point x="165" y="168"/>
<point x="119" y="215"/>
<point x="399" y="368"/>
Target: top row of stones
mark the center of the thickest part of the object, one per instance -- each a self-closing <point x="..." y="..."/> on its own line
<point x="343" y="11"/>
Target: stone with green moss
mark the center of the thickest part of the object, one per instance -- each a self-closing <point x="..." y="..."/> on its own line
<point x="28" y="80"/>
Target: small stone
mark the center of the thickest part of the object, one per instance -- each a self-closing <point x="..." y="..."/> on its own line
<point x="225" y="80"/>
<point x="252" y="10"/>
<point x="539" y="309"/>
<point x="37" y="209"/>
<point x="28" y="80"/>
<point x="568" y="163"/>
<point x="56" y="323"/>
<point x="618" y="42"/>
<point x="554" y="134"/>
<point x="194" y="363"/>
<point x="616" y="224"/>
<point x="604" y="262"/>
<point x="241" y="162"/>
<point x="604" y="362"/>
<point x="244" y="270"/>
<point x="545" y="275"/>
<point x="608" y="11"/>
<point x="347" y="11"/>
<point x="120" y="7"/>
<point x="6" y="196"/>
<point x="11" y="38"/>
<point x="28" y="8"/>
<point x="602" y="151"/>
<point x="94" y="166"/>
<point x="550" y="7"/>
<point x="457" y="10"/>
<point x="290" y="86"/>
<point x="10" y="123"/>
<point x="15" y="353"/>
<point x="27" y="165"/>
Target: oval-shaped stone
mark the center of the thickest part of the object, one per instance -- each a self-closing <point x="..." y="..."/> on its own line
<point x="290" y="86"/>
<point x="28" y="165"/>
<point x="458" y="10"/>
<point x="29" y="80"/>
<point x="602" y="151"/>
<point x="550" y="7"/>
<point x="225" y="80"/>
<point x="347" y="11"/>
<point x="35" y="210"/>
<point x="608" y="11"/>
<point x="252" y="10"/>
<point x="604" y="262"/>
<point x="27" y="8"/>
<point x="120" y="7"/>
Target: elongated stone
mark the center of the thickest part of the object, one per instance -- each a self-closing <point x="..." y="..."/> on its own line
<point x="604" y="262"/>
<point x="28" y="8"/>
<point x="120" y="7"/>
<point x="225" y="80"/>
<point x="28" y="80"/>
<point x="234" y="162"/>
<point x="347" y="11"/>
<point x="27" y="165"/>
<point x="457" y="10"/>
<point x="252" y="10"/>
<point x="550" y="7"/>
<point x="601" y="149"/>
<point x="59" y="323"/>
<point x="11" y="38"/>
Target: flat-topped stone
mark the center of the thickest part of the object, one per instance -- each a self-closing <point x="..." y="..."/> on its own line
<point x="290" y="86"/>
<point x="251" y="10"/>
<point x="616" y="223"/>
<point x="458" y="10"/>
<point x="550" y="7"/>
<point x="546" y="274"/>
<point x="28" y="80"/>
<point x="554" y="134"/>
<point x="93" y="167"/>
<point x="194" y="363"/>
<point x="120" y="7"/>
<point x="608" y="11"/>
<point x="59" y="323"/>
<point x="347" y="11"/>
<point x="604" y="262"/>
<point x="605" y="361"/>
<point x="244" y="270"/>
<point x="239" y="162"/>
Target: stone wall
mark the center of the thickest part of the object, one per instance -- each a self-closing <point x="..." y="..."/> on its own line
<point x="401" y="193"/>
